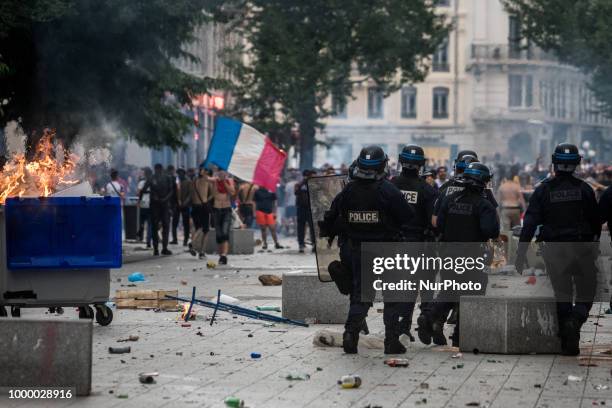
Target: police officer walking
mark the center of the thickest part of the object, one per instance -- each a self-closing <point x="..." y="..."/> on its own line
<point x="565" y="209"/>
<point x="368" y="209"/>
<point x="162" y="189"/>
<point x="464" y="216"/>
<point x="421" y="197"/>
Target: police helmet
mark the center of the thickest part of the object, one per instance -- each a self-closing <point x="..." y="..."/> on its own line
<point x="459" y="160"/>
<point x="566" y="157"/>
<point x="372" y="158"/>
<point x="412" y="157"/>
<point x="477" y="174"/>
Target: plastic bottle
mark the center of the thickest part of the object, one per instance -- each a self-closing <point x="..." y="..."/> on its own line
<point x="234" y="402"/>
<point x="350" y="381"/>
<point x="397" y="362"/>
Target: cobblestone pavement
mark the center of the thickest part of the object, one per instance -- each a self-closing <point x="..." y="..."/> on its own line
<point x="201" y="365"/>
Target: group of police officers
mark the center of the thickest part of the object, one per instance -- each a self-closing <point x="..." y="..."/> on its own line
<point x="372" y="208"/>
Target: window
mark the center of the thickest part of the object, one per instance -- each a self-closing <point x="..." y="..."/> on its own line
<point x="375" y="103"/>
<point x="338" y="110"/>
<point x="520" y="91"/>
<point x="515" y="91"/>
<point x="440" y="103"/>
<point x="409" y="109"/>
<point x="514" y="38"/>
<point x="440" y="58"/>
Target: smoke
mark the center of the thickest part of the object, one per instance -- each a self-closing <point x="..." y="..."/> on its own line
<point x="15" y="139"/>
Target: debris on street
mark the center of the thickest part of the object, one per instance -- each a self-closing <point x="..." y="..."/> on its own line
<point x="270" y="280"/>
<point x="146" y="299"/>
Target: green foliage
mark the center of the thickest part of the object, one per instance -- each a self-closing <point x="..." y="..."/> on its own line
<point x="297" y="53"/>
<point x="579" y="32"/>
<point x="76" y="64"/>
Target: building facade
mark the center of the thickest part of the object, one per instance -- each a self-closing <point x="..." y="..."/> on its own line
<point x="487" y="90"/>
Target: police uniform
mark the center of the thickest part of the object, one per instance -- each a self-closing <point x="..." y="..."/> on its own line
<point x="421" y="197"/>
<point x="565" y="209"/>
<point x="464" y="216"/>
<point x="162" y="189"/>
<point x="368" y="209"/>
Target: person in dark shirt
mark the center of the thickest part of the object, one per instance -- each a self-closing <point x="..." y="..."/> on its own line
<point x="265" y="215"/>
<point x="161" y="189"/>
<point x="303" y="211"/>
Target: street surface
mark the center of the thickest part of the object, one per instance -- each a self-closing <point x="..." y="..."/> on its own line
<point x="201" y="365"/>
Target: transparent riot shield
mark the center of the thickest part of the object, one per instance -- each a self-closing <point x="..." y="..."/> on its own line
<point x="321" y="192"/>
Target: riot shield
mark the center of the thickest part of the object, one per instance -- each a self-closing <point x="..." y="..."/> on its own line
<point x="321" y="192"/>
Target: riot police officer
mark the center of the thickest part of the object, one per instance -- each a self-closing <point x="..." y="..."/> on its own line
<point x="420" y="196"/>
<point x="565" y="209"/>
<point x="368" y="209"/>
<point x="463" y="159"/>
<point x="465" y="216"/>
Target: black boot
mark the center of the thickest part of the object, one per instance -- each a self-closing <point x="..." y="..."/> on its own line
<point x="570" y="337"/>
<point x="392" y="343"/>
<point x="405" y="328"/>
<point x="364" y="327"/>
<point x="424" y="331"/>
<point x="350" y="339"/>
<point x="437" y="333"/>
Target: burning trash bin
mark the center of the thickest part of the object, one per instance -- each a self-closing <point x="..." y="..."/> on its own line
<point x="57" y="252"/>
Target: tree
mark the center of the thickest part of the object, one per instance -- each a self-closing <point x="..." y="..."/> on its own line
<point x="578" y="32"/>
<point x="74" y="65"/>
<point x="296" y="54"/>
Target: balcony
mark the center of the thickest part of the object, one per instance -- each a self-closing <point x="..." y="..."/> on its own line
<point x="509" y="54"/>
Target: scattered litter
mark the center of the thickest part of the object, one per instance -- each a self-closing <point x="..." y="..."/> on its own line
<point x="136" y="277"/>
<point x="277" y="331"/>
<point x="328" y="338"/>
<point x="199" y="333"/>
<point x="537" y="385"/>
<point x="458" y="366"/>
<point x="226" y="299"/>
<point x="421" y="401"/>
<point x="250" y="335"/>
<point x="255" y="355"/>
<point x="531" y="280"/>
<point x="268" y="308"/>
<point x="147" y="378"/>
<point x="122" y="396"/>
<point x="185" y="324"/>
<point x="424" y="386"/>
<point x="458" y="355"/>
<point x="490" y="360"/>
<point x="234" y="402"/>
<point x="443" y="388"/>
<point x="473" y="404"/>
<point x="319" y="369"/>
<point x="600" y="387"/>
<point x="211" y="265"/>
<point x="499" y="286"/>
<point x="130" y="338"/>
<point x="179" y="353"/>
<point x="183" y="282"/>
<point x="146" y="299"/>
<point x="119" y="350"/>
<point x="573" y="378"/>
<point x="270" y="280"/>
<point x="397" y="362"/>
<point x="212" y="353"/>
<point x="297" y="377"/>
<point x="350" y="381"/>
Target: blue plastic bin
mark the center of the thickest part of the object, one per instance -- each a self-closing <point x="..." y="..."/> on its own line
<point x="63" y="232"/>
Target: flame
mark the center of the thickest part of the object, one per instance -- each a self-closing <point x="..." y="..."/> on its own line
<point x="43" y="175"/>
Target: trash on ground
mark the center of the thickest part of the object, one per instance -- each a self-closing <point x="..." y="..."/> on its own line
<point x="424" y="386"/>
<point x="350" y="381"/>
<point x="122" y="396"/>
<point x="600" y="387"/>
<point x="397" y="362"/>
<point x="421" y="401"/>
<point x="499" y="286"/>
<point x="185" y="310"/>
<point x="574" y="378"/>
<point x="268" y="308"/>
<point x="211" y="265"/>
<point x="473" y="404"/>
<point x="458" y="366"/>
<point x="130" y="338"/>
<point x="255" y="355"/>
<point x="234" y="402"/>
<point x="457" y="355"/>
<point x="328" y="338"/>
<point x="531" y="280"/>
<point x="297" y="377"/>
<point x="270" y="280"/>
<point x="184" y="282"/>
<point x="146" y="299"/>
<point x="119" y="350"/>
<point x="185" y="324"/>
<point x="147" y="378"/>
<point x="226" y="299"/>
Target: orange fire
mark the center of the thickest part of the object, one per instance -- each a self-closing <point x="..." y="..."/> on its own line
<point x="43" y="175"/>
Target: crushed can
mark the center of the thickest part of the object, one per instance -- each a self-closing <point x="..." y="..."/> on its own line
<point x="397" y="362"/>
<point x="234" y="402"/>
<point x="350" y="381"/>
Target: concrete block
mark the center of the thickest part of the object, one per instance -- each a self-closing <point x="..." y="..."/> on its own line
<point x="305" y="297"/>
<point x="242" y="242"/>
<point x="509" y="325"/>
<point x="46" y="353"/>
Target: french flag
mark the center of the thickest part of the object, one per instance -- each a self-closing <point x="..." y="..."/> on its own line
<point x="245" y="153"/>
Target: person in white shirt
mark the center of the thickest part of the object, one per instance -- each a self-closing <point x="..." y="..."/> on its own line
<point x="144" y="207"/>
<point x="114" y="188"/>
